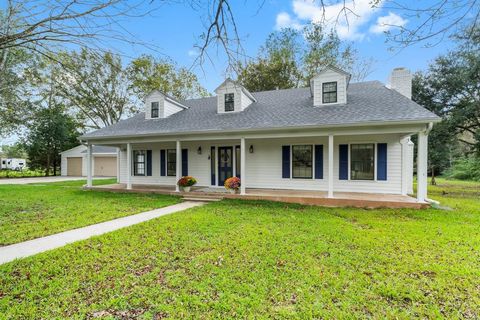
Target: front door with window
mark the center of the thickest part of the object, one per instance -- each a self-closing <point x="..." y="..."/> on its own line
<point x="225" y="164"/>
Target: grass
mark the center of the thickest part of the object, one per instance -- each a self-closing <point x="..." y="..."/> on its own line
<point x="236" y="259"/>
<point x="35" y="210"/>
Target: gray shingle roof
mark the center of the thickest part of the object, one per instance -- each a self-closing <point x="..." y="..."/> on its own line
<point x="102" y="149"/>
<point x="367" y="102"/>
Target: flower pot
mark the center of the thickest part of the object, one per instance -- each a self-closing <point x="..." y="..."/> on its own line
<point x="186" y="189"/>
<point x="232" y="191"/>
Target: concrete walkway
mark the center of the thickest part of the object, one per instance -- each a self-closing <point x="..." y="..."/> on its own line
<point x="45" y="179"/>
<point x="32" y="247"/>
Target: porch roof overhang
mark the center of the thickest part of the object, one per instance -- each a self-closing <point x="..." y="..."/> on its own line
<point x="373" y="127"/>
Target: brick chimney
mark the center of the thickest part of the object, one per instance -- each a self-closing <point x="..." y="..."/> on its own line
<point x="400" y="80"/>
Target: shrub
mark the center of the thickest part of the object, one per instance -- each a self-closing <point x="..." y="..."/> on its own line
<point x="187" y="181"/>
<point x="232" y="183"/>
<point x="7" y="173"/>
<point x="467" y="168"/>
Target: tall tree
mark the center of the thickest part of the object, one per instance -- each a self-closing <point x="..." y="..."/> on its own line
<point x="451" y="88"/>
<point x="95" y="87"/>
<point x="147" y="74"/>
<point x="290" y="58"/>
<point x="52" y="132"/>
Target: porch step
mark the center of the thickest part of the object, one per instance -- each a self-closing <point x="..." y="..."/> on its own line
<point x="201" y="199"/>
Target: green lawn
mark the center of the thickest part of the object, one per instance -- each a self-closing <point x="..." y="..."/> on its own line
<point x="236" y="259"/>
<point x="35" y="210"/>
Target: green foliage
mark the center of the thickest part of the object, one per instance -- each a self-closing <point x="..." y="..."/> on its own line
<point x="147" y="74"/>
<point x="466" y="168"/>
<point x="451" y="89"/>
<point x="16" y="150"/>
<point x="36" y="210"/>
<point x="290" y="58"/>
<point x="52" y="132"/>
<point x="26" y="173"/>
<point x="241" y="259"/>
<point x="95" y="87"/>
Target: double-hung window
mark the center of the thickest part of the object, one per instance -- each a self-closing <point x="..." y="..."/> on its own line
<point x="171" y="162"/>
<point x="329" y="92"/>
<point x="154" y="109"/>
<point x="229" y="102"/>
<point x="302" y="157"/>
<point x="139" y="162"/>
<point x="362" y="163"/>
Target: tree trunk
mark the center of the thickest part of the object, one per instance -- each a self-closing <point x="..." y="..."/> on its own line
<point x="434" y="182"/>
<point x="54" y="167"/>
<point x="47" y="167"/>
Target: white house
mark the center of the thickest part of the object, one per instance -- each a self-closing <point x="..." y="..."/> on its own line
<point x="334" y="136"/>
<point x="104" y="159"/>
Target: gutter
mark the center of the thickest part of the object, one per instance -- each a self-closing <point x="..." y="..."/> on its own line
<point x="358" y="124"/>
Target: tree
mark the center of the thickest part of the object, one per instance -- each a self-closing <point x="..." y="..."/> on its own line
<point x="95" y="88"/>
<point x="16" y="150"/>
<point x="52" y="132"/>
<point x="290" y="58"/>
<point x="451" y="89"/>
<point x="147" y="74"/>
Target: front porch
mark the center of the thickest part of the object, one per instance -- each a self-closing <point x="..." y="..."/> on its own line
<point x="308" y="197"/>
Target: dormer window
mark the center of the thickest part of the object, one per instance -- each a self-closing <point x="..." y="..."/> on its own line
<point x="229" y="102"/>
<point x="329" y="92"/>
<point x="155" y="109"/>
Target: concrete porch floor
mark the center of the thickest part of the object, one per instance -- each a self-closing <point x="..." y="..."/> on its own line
<point x="308" y="197"/>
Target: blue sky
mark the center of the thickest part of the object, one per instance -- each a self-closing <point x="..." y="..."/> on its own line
<point x="175" y="29"/>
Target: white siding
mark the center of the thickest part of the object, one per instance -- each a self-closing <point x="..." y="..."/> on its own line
<point x="241" y="100"/>
<point x="330" y="76"/>
<point x="264" y="165"/>
<point x="170" y="108"/>
<point x="165" y="107"/>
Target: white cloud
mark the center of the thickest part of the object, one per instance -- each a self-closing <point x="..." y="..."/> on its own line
<point x="192" y="53"/>
<point x="388" y="22"/>
<point x="347" y="22"/>
<point x="285" y="21"/>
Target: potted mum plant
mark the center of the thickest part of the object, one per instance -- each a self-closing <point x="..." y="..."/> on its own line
<point x="186" y="182"/>
<point x="232" y="184"/>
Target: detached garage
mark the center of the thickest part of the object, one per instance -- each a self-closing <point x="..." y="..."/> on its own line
<point x="74" y="161"/>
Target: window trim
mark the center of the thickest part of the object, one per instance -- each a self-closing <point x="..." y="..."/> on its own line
<point x="374" y="161"/>
<point x="157" y="109"/>
<point x="136" y="162"/>
<point x="175" y="161"/>
<point x="229" y="102"/>
<point x="292" y="146"/>
<point x="324" y="92"/>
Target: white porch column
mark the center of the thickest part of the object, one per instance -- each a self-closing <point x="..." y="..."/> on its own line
<point x="422" y="164"/>
<point x="330" y="166"/>
<point x="243" y="167"/>
<point x="179" y="165"/>
<point x="404" y="143"/>
<point x="89" y="165"/>
<point x="118" y="165"/>
<point x="129" y="166"/>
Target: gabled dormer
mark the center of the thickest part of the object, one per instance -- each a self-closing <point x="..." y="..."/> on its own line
<point x="159" y="105"/>
<point x="233" y="97"/>
<point x="329" y="86"/>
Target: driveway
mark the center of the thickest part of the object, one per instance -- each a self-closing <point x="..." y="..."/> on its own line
<point x="44" y="179"/>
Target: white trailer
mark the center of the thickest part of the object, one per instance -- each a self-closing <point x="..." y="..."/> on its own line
<point x="13" y="163"/>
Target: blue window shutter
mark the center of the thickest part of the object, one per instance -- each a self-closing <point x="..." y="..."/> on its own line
<point x="343" y="162"/>
<point x="318" y="161"/>
<point x="149" y="162"/>
<point x="382" y="161"/>
<point x="163" y="164"/>
<point x="184" y="162"/>
<point x="285" y="161"/>
<point x="212" y="165"/>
